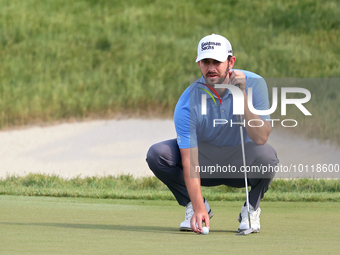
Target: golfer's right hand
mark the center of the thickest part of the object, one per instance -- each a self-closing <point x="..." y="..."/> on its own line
<point x="198" y="218"/>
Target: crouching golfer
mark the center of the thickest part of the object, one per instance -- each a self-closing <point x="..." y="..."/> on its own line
<point x="207" y="151"/>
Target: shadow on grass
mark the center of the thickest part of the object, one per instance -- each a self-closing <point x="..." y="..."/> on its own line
<point x="224" y="231"/>
<point x="100" y="227"/>
<point x="156" y="229"/>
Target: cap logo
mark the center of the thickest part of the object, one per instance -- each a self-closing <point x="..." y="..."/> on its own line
<point x="209" y="45"/>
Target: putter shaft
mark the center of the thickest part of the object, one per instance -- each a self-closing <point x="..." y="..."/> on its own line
<point x="240" y="120"/>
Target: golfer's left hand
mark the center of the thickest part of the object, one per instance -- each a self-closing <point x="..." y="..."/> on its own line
<point x="237" y="77"/>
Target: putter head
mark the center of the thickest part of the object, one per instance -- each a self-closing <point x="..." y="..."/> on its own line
<point x="245" y="232"/>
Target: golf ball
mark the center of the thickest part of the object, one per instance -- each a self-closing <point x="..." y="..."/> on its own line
<point x="205" y="231"/>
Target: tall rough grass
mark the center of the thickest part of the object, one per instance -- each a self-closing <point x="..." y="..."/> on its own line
<point x="128" y="187"/>
<point x="62" y="59"/>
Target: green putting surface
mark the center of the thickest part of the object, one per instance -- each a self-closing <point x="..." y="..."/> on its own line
<point x="44" y="225"/>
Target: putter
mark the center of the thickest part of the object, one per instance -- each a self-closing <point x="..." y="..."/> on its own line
<point x="250" y="230"/>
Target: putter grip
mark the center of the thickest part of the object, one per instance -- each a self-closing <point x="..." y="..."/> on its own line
<point x="239" y="118"/>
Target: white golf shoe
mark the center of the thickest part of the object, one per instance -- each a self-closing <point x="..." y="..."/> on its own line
<point x="189" y="211"/>
<point x="254" y="219"/>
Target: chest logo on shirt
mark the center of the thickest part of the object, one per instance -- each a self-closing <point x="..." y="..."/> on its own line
<point x="213" y="90"/>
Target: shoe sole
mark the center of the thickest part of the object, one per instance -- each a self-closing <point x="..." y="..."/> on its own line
<point x="186" y="229"/>
<point x="210" y="213"/>
<point x="255" y="231"/>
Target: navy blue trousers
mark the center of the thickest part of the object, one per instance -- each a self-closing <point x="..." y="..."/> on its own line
<point x="164" y="160"/>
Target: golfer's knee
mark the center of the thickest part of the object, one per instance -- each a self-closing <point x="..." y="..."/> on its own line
<point x="266" y="155"/>
<point x="152" y="156"/>
<point x="158" y="156"/>
<point x="163" y="155"/>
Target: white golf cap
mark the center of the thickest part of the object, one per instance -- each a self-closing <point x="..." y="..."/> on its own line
<point x="214" y="46"/>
